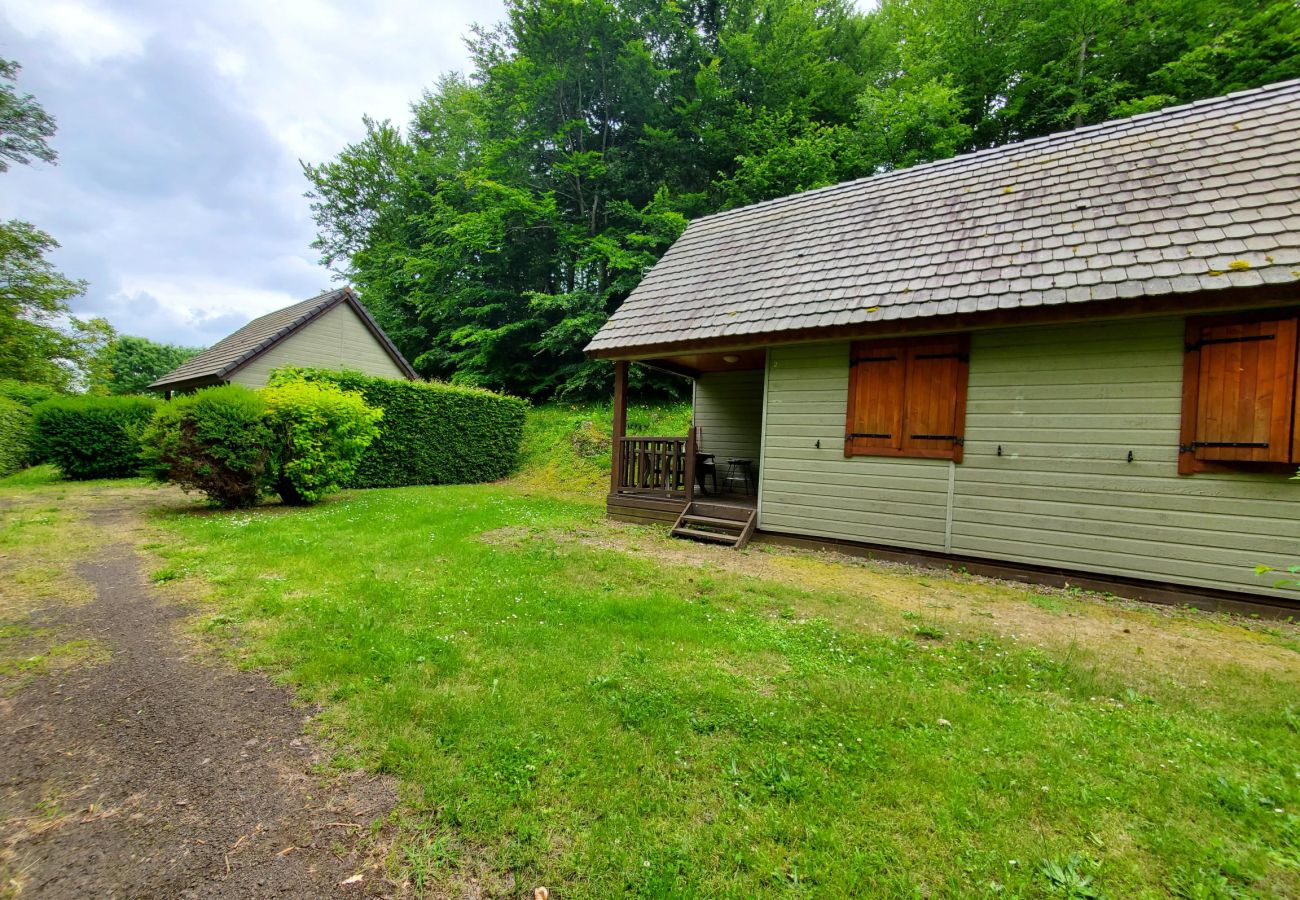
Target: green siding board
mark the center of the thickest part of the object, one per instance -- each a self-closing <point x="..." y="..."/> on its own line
<point x="1067" y="404"/>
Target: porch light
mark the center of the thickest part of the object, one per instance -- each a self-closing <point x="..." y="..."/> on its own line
<point x="731" y="358"/>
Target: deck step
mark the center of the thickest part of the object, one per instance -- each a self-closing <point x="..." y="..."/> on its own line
<point x="736" y="524"/>
<point x="732" y="532"/>
<point x="705" y="535"/>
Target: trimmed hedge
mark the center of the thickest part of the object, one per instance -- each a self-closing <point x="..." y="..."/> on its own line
<point x="216" y="441"/>
<point x="15" y="436"/>
<point x="91" y="437"/>
<point x="431" y="433"/>
<point x="24" y="392"/>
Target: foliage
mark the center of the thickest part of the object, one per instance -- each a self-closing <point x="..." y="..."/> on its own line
<point x="91" y="437"/>
<point x="26" y="393"/>
<point x="566" y="446"/>
<point x="430" y="433"/>
<point x="216" y="441"/>
<point x="39" y="340"/>
<point x="25" y="126"/>
<point x="320" y="433"/>
<point x="128" y="365"/>
<point x="34" y="346"/>
<point x="608" y="712"/>
<point x="522" y="204"/>
<point x="15" y="436"/>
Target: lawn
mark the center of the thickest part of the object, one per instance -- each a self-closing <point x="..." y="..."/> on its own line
<point x="603" y="711"/>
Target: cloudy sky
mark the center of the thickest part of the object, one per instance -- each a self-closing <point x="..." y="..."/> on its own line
<point x="178" y="193"/>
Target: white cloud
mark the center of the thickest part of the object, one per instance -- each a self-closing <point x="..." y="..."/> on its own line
<point x="83" y="31"/>
<point x="178" y="194"/>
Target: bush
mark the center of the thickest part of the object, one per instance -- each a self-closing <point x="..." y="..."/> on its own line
<point x="15" y="436"/>
<point x="321" y="433"/>
<point x="216" y="441"/>
<point x="431" y="433"/>
<point x="24" y="392"/>
<point x="91" y="437"/>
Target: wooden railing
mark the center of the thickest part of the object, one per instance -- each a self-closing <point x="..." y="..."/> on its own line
<point x="657" y="465"/>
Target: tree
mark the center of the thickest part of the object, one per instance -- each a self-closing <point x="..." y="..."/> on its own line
<point x="34" y="345"/>
<point x="40" y="341"/>
<point x="523" y="203"/>
<point x="128" y="365"/>
<point x="25" y="127"/>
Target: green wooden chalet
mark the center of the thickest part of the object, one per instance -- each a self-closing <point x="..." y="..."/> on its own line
<point x="1071" y="359"/>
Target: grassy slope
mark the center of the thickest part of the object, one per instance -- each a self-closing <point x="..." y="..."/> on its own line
<point x="567" y="445"/>
<point x="604" y="721"/>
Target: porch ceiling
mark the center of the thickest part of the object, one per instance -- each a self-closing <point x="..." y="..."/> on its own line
<point x="693" y="364"/>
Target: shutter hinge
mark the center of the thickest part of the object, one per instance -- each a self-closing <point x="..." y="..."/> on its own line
<point x="959" y="441"/>
<point x="1242" y="445"/>
<point x="862" y="434"/>
<point x="1244" y="339"/>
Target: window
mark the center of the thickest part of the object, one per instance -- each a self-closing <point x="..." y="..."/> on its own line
<point x="907" y="398"/>
<point x="1239" y="393"/>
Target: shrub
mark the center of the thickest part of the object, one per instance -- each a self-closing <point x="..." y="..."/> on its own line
<point x="321" y="433"/>
<point x="91" y="437"/>
<point x="216" y="441"/>
<point x="15" y="436"/>
<point x="431" y="433"/>
<point x="24" y="392"/>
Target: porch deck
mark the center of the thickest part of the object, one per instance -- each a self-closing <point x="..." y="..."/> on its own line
<point x="652" y="509"/>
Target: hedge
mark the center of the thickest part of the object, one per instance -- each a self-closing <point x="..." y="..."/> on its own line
<point x="431" y="433"/>
<point x="15" y="436"/>
<point x="91" y="437"/>
<point x="24" y="392"/>
<point x="216" y="441"/>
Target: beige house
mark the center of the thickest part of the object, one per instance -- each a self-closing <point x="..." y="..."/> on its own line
<point x="1072" y="359"/>
<point x="330" y="331"/>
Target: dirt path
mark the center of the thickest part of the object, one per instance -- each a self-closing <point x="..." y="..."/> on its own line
<point x="157" y="775"/>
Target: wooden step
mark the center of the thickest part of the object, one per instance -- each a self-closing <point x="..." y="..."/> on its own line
<point x="736" y="524"/>
<point x="733" y="532"/>
<point x="705" y="535"/>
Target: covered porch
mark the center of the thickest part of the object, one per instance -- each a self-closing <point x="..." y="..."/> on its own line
<point x="714" y="465"/>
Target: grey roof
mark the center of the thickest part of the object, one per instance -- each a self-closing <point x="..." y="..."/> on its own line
<point x="1192" y="198"/>
<point x="234" y="351"/>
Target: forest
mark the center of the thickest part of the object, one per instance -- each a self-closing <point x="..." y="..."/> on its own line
<point x="494" y="232"/>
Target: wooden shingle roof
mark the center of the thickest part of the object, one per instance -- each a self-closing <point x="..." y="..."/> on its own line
<point x="236" y="350"/>
<point x="1192" y="198"/>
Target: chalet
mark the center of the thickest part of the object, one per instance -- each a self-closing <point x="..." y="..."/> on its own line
<point x="1071" y="359"/>
<point x="330" y="331"/>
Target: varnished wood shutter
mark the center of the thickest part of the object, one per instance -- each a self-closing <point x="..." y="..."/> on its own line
<point x="1239" y="391"/>
<point x="934" y="418"/>
<point x="875" y="416"/>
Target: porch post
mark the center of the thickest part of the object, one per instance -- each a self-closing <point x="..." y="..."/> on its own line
<point x="620" y="424"/>
<point x="690" y="463"/>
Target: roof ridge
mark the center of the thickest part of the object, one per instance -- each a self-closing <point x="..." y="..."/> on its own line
<point x="1000" y="149"/>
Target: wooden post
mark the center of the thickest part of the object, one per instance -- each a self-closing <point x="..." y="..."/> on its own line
<point x="691" y="441"/>
<point x="620" y="424"/>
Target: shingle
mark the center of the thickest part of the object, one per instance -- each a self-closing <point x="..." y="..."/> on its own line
<point x="1143" y="206"/>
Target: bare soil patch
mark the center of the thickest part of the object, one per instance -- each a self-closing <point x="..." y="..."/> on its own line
<point x="155" y="774"/>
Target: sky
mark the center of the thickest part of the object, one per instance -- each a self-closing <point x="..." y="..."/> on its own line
<point x="178" y="193"/>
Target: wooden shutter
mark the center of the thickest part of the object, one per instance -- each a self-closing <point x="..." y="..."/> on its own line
<point x="875" y="415"/>
<point x="935" y="409"/>
<point x="1239" y="391"/>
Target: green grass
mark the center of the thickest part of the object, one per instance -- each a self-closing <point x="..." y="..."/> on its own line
<point x="606" y="722"/>
<point x="36" y="476"/>
<point x="566" y="447"/>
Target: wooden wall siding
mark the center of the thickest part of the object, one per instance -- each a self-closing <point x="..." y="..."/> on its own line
<point x="729" y="414"/>
<point x="1066" y="404"/>
<point x="336" y="340"/>
<point x="817" y="491"/>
